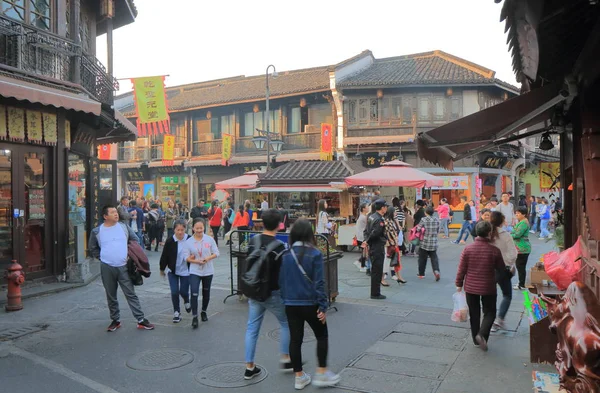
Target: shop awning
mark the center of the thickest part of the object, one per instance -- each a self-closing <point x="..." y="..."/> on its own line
<point x="246" y="181"/>
<point x="157" y="164"/>
<point x="125" y="123"/>
<point x="25" y="91"/>
<point x="129" y="165"/>
<point x="305" y="188"/>
<point x="477" y="132"/>
<point x="394" y="174"/>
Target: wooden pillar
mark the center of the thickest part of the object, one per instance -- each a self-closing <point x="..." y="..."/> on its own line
<point x="109" y="46"/>
<point x="74" y="33"/>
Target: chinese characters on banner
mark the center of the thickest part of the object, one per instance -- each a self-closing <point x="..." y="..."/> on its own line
<point x="453" y="183"/>
<point x="168" y="150"/>
<point x="3" y="126"/>
<point x="104" y="152"/>
<point x="226" y="149"/>
<point x="16" y="124"/>
<point x="151" y="105"/>
<point x="50" y="134"/>
<point x="68" y="133"/>
<point x="326" y="142"/>
<point x="375" y="160"/>
<point x="549" y="176"/>
<point x="34" y="126"/>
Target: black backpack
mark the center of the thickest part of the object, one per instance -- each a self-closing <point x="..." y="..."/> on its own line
<point x="254" y="282"/>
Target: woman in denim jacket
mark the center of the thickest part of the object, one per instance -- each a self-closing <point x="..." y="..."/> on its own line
<point x="303" y="294"/>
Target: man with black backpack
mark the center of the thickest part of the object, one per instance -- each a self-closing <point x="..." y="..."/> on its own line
<point x="260" y="283"/>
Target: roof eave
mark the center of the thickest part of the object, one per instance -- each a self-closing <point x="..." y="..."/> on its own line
<point x="423" y="85"/>
<point x="246" y="101"/>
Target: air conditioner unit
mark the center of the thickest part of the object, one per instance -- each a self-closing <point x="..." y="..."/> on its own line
<point x="308" y="128"/>
<point x="129" y="144"/>
<point x="178" y="152"/>
<point x="142" y="142"/>
<point x="158" y="153"/>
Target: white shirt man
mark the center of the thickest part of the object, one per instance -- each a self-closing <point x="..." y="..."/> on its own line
<point x="264" y="206"/>
<point x="109" y="244"/>
<point x="508" y="209"/>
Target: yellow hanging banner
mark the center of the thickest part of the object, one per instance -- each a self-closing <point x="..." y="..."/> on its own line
<point x="227" y="142"/>
<point x="151" y="105"/>
<point x="16" y="124"/>
<point x="68" y="134"/>
<point x="3" y="126"/>
<point x="34" y="126"/>
<point x="168" y="150"/>
<point x="50" y="133"/>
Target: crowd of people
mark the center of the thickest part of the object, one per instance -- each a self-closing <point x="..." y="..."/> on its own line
<point x="295" y="293"/>
<point x="295" y="284"/>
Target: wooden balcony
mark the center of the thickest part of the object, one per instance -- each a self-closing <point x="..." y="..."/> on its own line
<point x="207" y="148"/>
<point x="47" y="56"/>
<point x="302" y="141"/>
<point x="133" y="154"/>
<point x="379" y="131"/>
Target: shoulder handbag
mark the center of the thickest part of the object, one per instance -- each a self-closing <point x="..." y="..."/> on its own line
<point x="300" y="266"/>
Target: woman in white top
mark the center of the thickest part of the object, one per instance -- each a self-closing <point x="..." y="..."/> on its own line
<point x="505" y="243"/>
<point x="173" y="261"/>
<point x="323" y="224"/>
<point x="199" y="251"/>
<point x="361" y="226"/>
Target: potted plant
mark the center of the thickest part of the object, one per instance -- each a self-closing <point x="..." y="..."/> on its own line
<point x="559" y="237"/>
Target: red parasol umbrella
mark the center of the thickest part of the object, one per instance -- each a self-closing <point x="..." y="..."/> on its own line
<point x="395" y="174"/>
<point x="246" y="181"/>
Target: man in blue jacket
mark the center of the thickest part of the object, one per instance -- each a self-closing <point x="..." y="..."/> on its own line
<point x="137" y="220"/>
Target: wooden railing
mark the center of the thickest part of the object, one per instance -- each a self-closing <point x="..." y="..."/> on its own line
<point x="39" y="52"/>
<point x="208" y="148"/>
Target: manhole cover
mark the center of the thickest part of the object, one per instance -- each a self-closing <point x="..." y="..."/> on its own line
<point x="308" y="334"/>
<point x="20" y="332"/>
<point x="160" y="359"/>
<point x="228" y="375"/>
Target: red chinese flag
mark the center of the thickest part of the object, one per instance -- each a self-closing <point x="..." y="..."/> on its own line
<point x="104" y="152"/>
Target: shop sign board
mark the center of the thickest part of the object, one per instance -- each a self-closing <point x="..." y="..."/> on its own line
<point x="374" y="160"/>
<point x="453" y="183"/>
<point x="139" y="174"/>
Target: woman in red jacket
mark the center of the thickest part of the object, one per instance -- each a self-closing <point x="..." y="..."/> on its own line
<point x="215" y="215"/>
<point x="477" y="273"/>
<point x="240" y="223"/>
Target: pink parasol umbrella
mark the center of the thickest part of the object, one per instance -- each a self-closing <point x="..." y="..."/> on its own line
<point x="246" y="181"/>
<point x="395" y="174"/>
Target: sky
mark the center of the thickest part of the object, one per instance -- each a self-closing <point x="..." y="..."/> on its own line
<point x="199" y="40"/>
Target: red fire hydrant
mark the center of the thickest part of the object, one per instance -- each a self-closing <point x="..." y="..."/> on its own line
<point x="15" y="277"/>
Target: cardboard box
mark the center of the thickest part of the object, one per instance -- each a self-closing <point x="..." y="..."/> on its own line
<point x="537" y="276"/>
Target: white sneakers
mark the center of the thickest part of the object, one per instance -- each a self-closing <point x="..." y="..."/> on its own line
<point x="329" y="378"/>
<point x="301" y="382"/>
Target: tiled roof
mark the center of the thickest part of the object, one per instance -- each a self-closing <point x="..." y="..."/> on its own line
<point x="429" y="68"/>
<point x="308" y="172"/>
<point x="240" y="89"/>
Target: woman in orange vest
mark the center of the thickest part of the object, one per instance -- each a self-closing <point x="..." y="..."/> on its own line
<point x="240" y="223"/>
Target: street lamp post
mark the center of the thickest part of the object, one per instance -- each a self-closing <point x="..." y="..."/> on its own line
<point x="263" y="137"/>
<point x="267" y="114"/>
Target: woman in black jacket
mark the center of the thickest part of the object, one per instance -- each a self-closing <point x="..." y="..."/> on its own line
<point x="178" y="274"/>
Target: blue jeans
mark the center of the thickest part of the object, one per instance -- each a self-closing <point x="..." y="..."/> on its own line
<point x="256" y="313"/>
<point x="466" y="228"/>
<point x="544" y="227"/>
<point x="533" y="223"/>
<point x="444" y="226"/>
<point x="180" y="285"/>
<point x="140" y="236"/>
<point x="503" y="278"/>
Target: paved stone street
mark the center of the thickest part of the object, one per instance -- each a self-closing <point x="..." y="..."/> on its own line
<point x="406" y="343"/>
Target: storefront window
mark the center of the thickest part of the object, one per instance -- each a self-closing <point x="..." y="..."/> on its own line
<point x="173" y="188"/>
<point x="106" y="177"/>
<point x="77" y="203"/>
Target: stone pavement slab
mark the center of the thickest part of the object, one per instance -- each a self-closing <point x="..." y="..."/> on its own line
<point x="401" y="366"/>
<point x="414" y="351"/>
<point x="433" y="342"/>
<point x="380" y="382"/>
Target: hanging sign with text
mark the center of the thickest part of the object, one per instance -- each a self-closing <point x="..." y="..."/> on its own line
<point x="168" y="150"/>
<point x="326" y="142"/>
<point x="151" y="105"/>
<point x="227" y="141"/>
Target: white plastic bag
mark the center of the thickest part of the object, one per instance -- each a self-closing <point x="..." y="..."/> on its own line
<point x="400" y="238"/>
<point x="460" y="313"/>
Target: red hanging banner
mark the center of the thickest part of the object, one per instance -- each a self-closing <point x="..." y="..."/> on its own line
<point x="104" y="152"/>
<point x="326" y="142"/>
